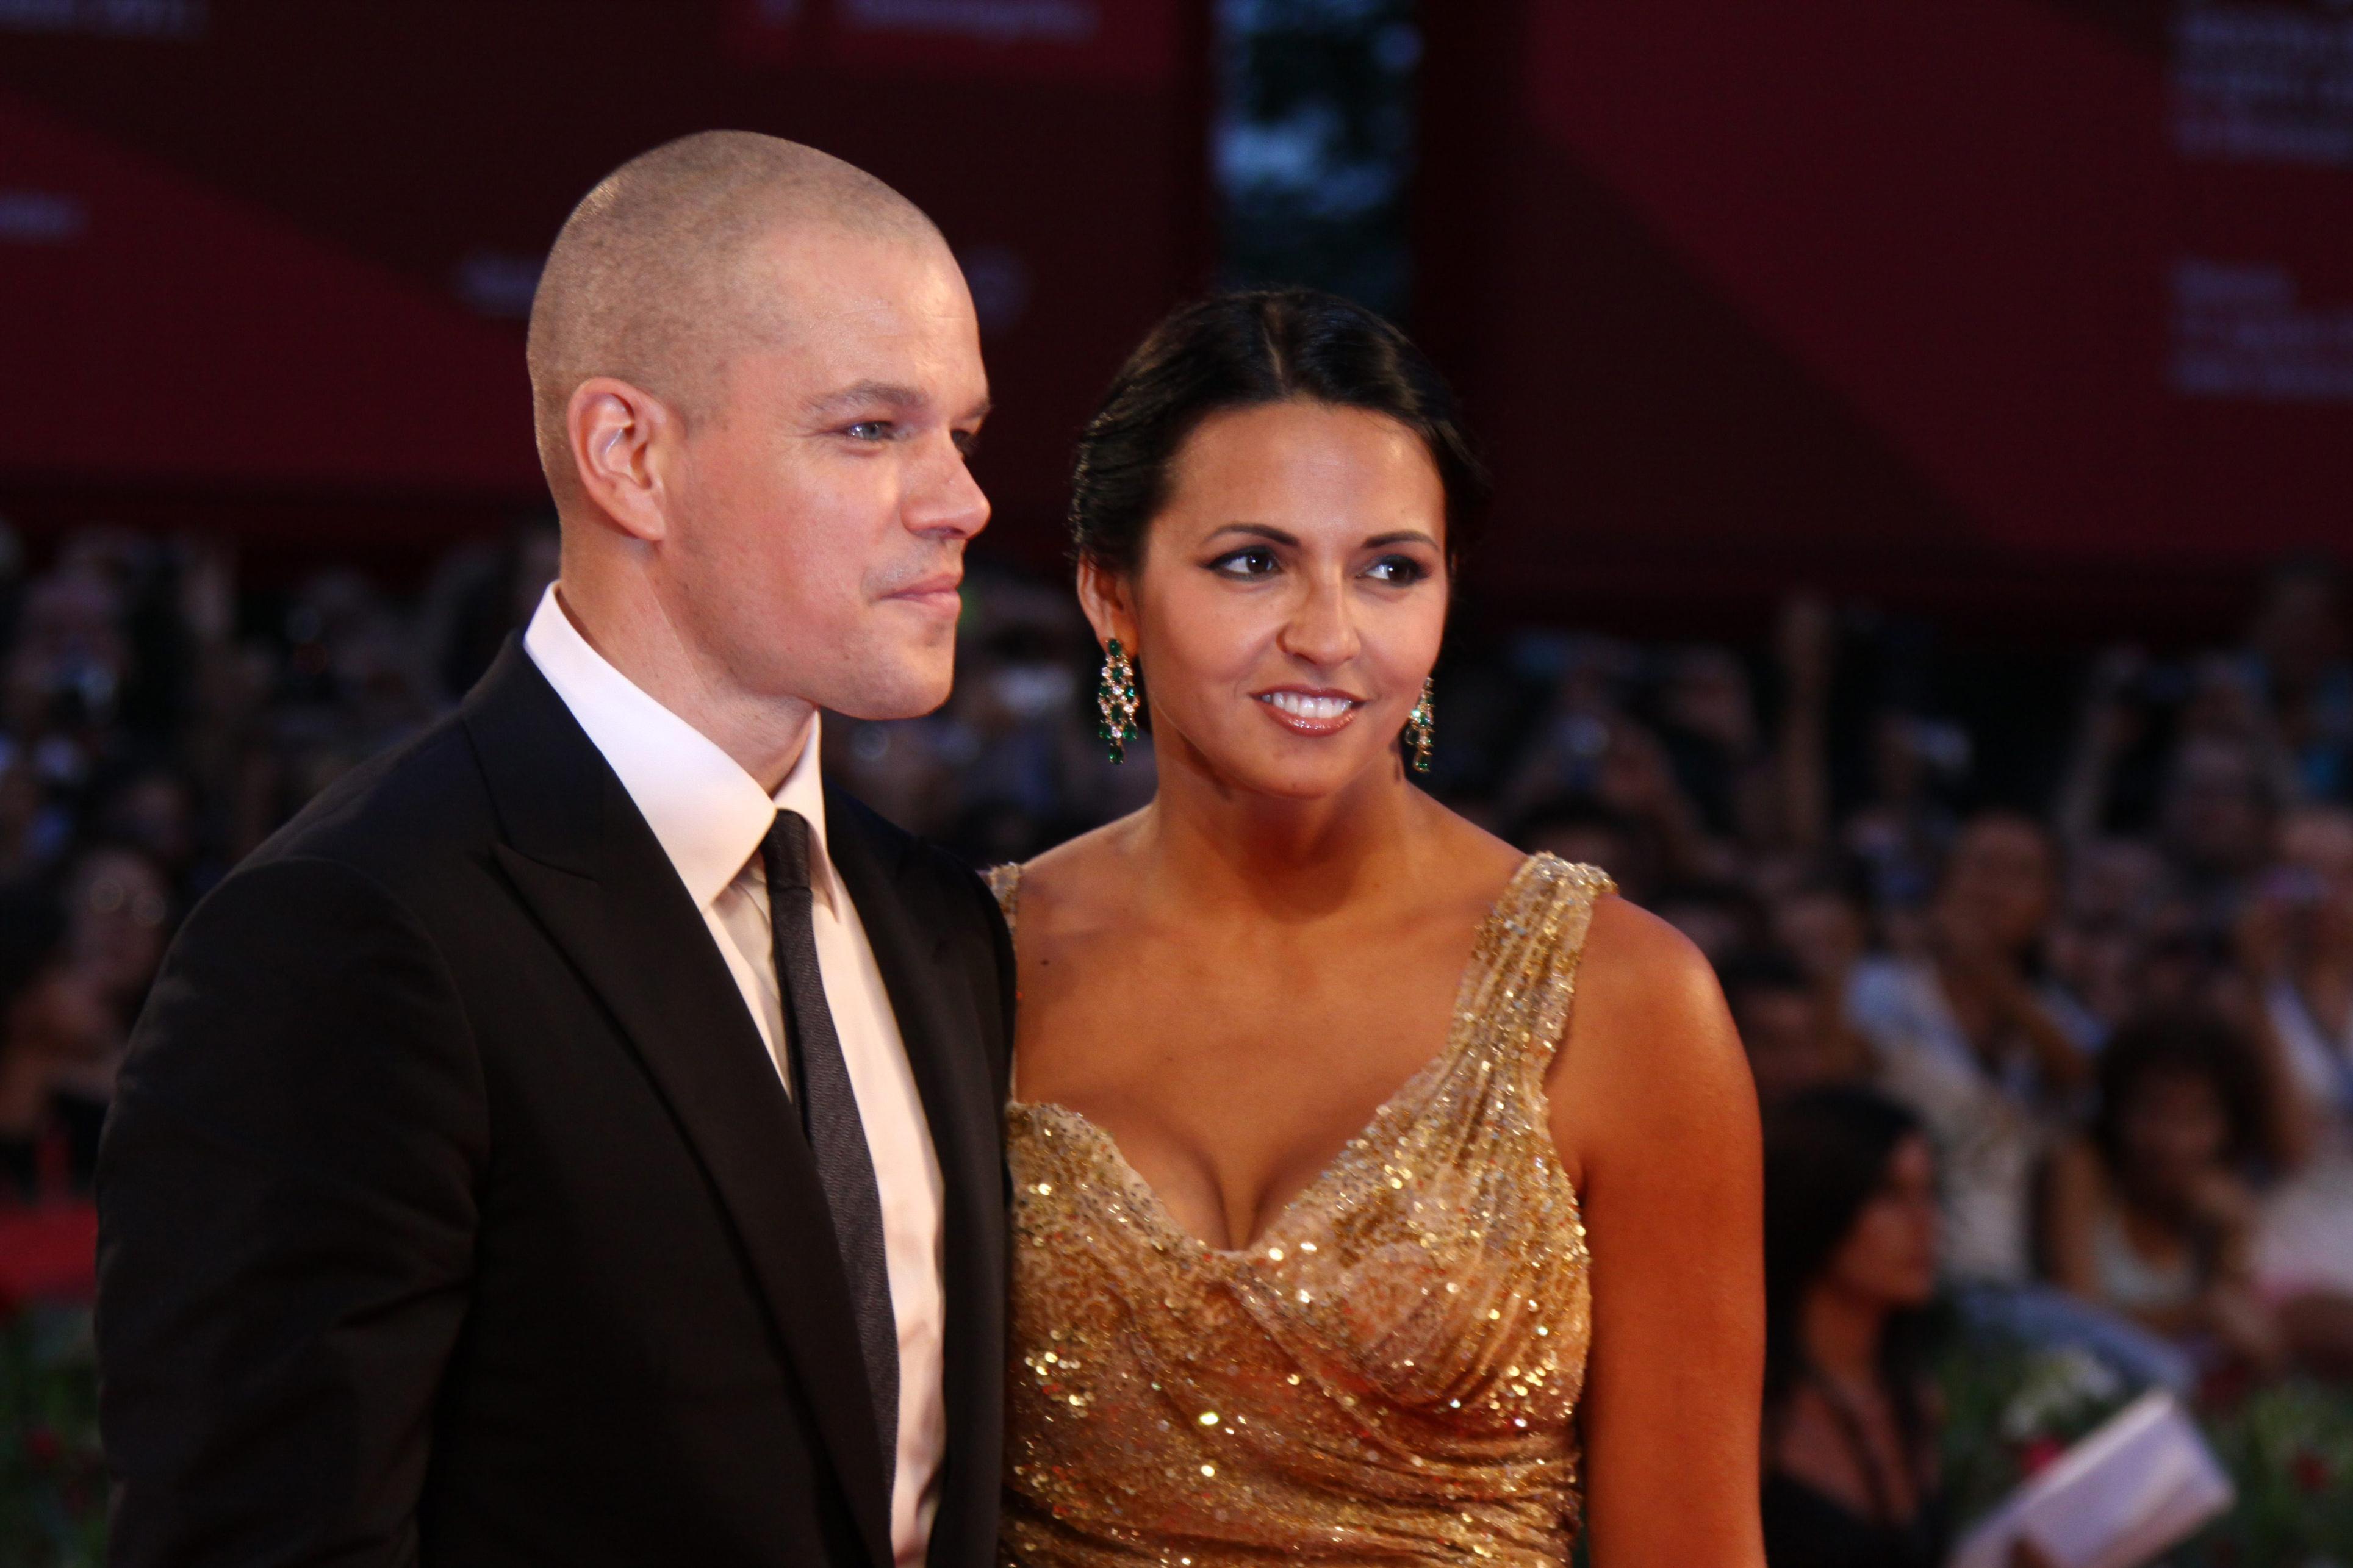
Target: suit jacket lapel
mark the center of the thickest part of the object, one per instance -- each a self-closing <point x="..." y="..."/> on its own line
<point x="586" y="863"/>
<point x="938" y="1021"/>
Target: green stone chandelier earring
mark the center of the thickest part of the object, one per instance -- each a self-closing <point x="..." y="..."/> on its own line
<point x="1418" y="726"/>
<point x="1116" y="699"/>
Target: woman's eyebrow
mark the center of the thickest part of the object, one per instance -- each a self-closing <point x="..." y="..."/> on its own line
<point x="1259" y="530"/>
<point x="1403" y="536"/>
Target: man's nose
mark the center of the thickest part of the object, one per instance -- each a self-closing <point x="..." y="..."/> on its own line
<point x="945" y="499"/>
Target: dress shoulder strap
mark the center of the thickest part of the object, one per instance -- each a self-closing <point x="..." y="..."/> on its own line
<point x="1005" y="881"/>
<point x="1531" y="951"/>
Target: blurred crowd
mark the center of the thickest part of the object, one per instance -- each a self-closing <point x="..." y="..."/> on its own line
<point x="2116" y="1006"/>
<point x="156" y="723"/>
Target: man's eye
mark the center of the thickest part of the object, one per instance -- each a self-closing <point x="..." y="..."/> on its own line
<point x="967" y="442"/>
<point x="1256" y="562"/>
<point x="1399" y="571"/>
<point x="868" y="430"/>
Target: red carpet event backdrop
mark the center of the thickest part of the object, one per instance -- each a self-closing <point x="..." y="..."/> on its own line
<point x="281" y="252"/>
<point x="1933" y="288"/>
<point x="1946" y="294"/>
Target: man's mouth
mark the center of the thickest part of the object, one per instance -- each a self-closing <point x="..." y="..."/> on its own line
<point x="939" y="592"/>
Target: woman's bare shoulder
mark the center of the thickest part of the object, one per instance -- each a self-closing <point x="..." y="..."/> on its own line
<point x="1640" y="972"/>
<point x="1079" y="874"/>
<point x="1650" y="1059"/>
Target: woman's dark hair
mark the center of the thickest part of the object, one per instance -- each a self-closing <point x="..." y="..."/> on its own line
<point x="1240" y="350"/>
<point x="1826" y="1156"/>
<point x="2193" y="1044"/>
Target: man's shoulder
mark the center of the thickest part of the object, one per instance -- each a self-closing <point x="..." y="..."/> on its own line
<point x="929" y="872"/>
<point x="396" y="816"/>
<point x="362" y="879"/>
<point x="422" y="807"/>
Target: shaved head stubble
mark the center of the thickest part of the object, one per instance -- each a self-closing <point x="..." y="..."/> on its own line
<point x="655" y="279"/>
<point x="756" y="373"/>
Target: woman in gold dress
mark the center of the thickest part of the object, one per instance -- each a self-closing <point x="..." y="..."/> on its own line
<point x="1381" y="1195"/>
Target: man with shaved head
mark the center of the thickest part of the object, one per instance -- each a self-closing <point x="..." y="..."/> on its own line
<point x="574" y="1138"/>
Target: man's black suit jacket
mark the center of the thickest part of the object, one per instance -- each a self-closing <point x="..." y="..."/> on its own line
<point x="452" y="1210"/>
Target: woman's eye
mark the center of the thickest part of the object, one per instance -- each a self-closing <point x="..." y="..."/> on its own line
<point x="1256" y="562"/>
<point x="1396" y="570"/>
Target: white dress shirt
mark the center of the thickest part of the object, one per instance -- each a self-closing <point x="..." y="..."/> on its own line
<point x="710" y="817"/>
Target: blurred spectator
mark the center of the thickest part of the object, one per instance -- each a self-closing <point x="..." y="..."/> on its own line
<point x="479" y="597"/>
<point x="53" y="1024"/>
<point x="1794" y="1035"/>
<point x="26" y="827"/>
<point x="1851" y="1266"/>
<point x="1986" y="1053"/>
<point x="2296" y="938"/>
<point x="2215" y="818"/>
<point x="1012" y="764"/>
<point x="154" y="811"/>
<point x="1589" y="752"/>
<point x="1902" y="832"/>
<point x="1720" y="918"/>
<point x="2299" y="648"/>
<point x="1805" y="644"/>
<point x="2120" y="918"/>
<point x="63" y="679"/>
<point x="1707" y="725"/>
<point x="2296" y="942"/>
<point x="2151" y="1214"/>
<point x="118" y="913"/>
<point x="1823" y="931"/>
<point x="1585" y="833"/>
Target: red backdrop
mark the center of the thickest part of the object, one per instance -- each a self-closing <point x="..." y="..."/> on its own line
<point x="1955" y="297"/>
<point x="263" y="263"/>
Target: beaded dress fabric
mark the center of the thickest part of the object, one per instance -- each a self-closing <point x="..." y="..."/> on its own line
<point x="1387" y="1375"/>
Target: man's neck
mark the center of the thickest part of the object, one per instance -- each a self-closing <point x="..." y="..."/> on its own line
<point x="764" y="736"/>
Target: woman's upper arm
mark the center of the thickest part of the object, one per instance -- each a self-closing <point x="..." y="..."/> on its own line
<point x="1653" y="1108"/>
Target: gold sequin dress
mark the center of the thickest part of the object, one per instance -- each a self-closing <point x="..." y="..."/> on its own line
<point x="1386" y="1375"/>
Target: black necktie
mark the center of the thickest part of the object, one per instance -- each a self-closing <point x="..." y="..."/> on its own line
<point x="830" y="1115"/>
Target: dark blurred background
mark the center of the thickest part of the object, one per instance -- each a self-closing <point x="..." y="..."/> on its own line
<point x="1924" y="438"/>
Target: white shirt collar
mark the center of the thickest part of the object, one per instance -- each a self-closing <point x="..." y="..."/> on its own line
<point x="709" y="815"/>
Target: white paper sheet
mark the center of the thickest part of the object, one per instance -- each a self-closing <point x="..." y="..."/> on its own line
<point x="2130" y="1490"/>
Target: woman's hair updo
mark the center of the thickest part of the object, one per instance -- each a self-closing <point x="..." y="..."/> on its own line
<point x="1240" y="350"/>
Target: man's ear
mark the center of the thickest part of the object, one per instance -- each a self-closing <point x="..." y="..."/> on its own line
<point x="620" y="437"/>
<point x="1109" y="602"/>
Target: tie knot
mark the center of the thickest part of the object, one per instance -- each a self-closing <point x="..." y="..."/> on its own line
<point x="785" y="853"/>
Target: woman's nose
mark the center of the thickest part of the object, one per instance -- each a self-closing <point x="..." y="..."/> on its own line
<point x="1321" y="630"/>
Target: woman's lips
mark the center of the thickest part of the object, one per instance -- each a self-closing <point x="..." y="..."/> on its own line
<point x="1311" y="712"/>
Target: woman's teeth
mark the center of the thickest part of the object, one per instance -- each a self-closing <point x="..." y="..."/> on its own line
<point x="1322" y="710"/>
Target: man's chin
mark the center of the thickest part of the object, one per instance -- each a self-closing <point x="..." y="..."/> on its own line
<point x="912" y="694"/>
